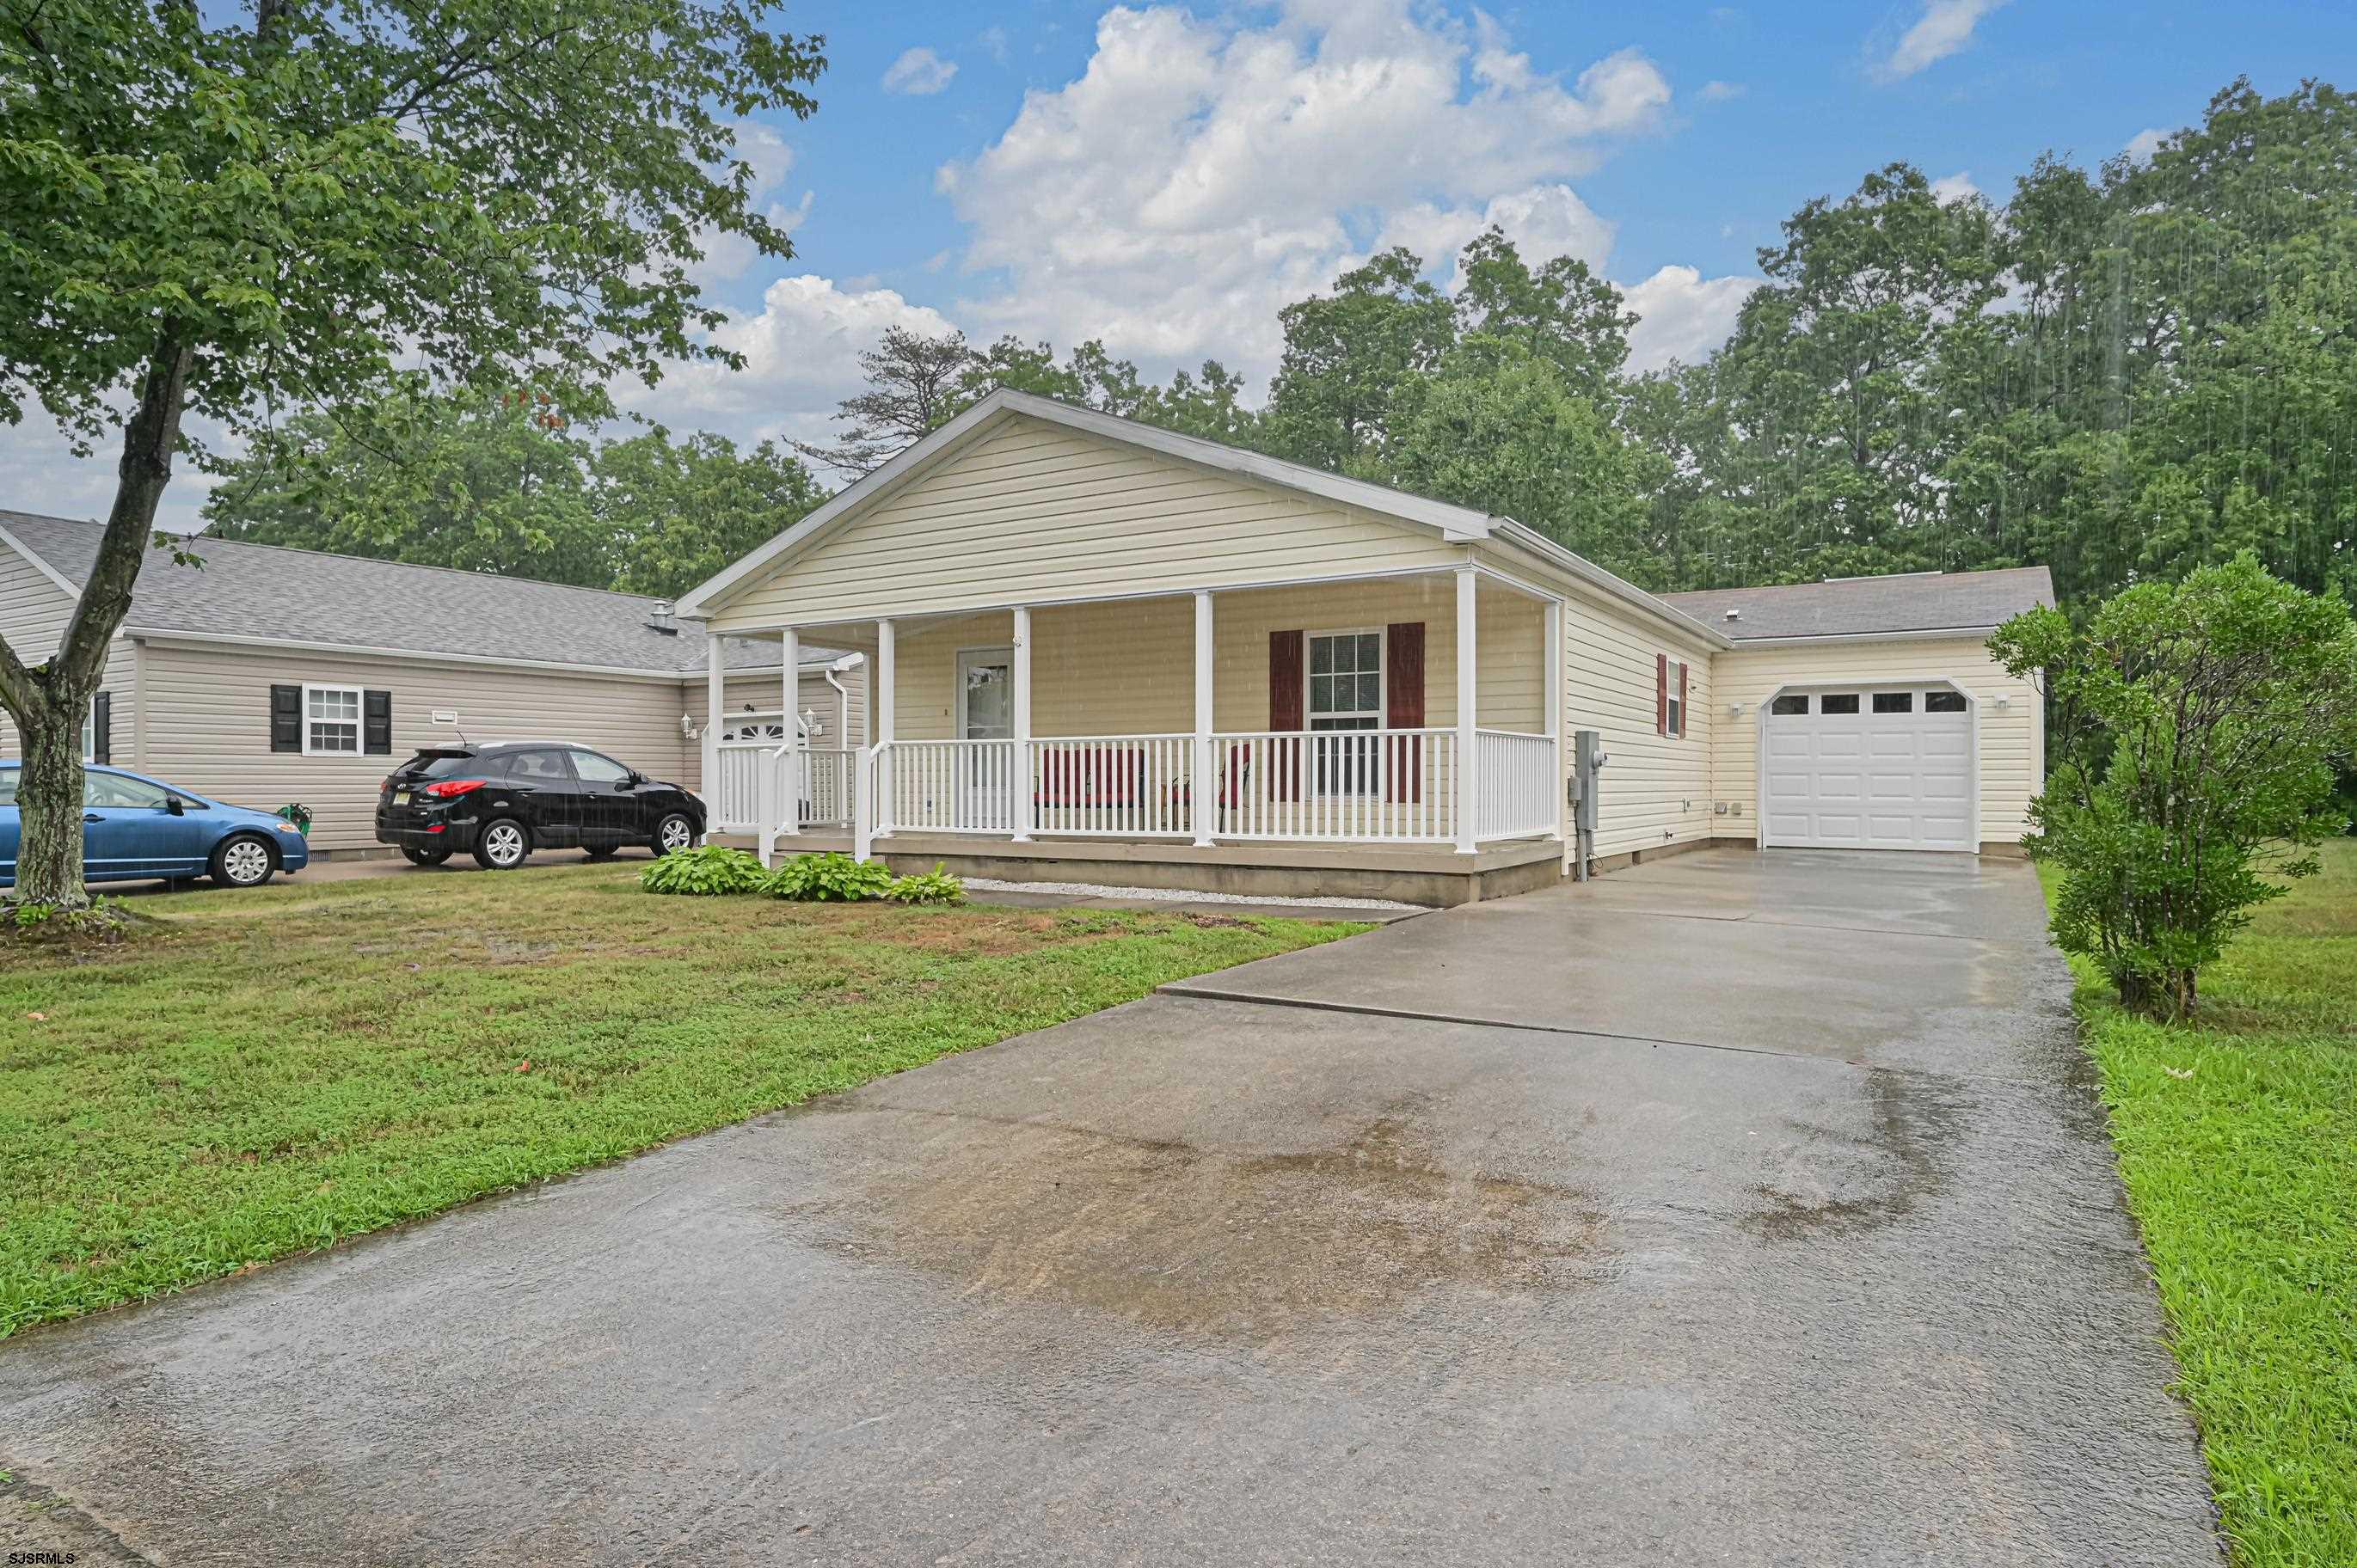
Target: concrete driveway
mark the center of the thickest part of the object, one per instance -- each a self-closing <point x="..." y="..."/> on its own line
<point x="1734" y="1209"/>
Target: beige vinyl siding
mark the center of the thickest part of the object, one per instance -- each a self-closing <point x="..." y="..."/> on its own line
<point x="33" y="614"/>
<point x="207" y="724"/>
<point x="1128" y="668"/>
<point x="744" y="690"/>
<point x="2009" y="741"/>
<point x="1654" y="790"/>
<point x="1037" y="512"/>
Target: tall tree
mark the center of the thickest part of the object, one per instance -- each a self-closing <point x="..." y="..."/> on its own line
<point x="216" y="215"/>
<point x="914" y="384"/>
<point x="674" y="512"/>
<point x="1348" y="354"/>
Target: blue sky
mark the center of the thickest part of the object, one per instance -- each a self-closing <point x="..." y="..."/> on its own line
<point x="1166" y="177"/>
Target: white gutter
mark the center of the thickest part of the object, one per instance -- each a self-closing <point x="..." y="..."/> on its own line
<point x="1928" y="634"/>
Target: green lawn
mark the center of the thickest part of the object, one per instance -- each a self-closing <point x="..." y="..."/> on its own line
<point x="2238" y="1139"/>
<point x="273" y="1070"/>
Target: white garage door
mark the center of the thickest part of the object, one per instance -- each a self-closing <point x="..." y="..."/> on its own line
<point x="1868" y="767"/>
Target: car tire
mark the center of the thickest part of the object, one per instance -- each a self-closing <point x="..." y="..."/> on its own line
<point x="501" y="845"/>
<point x="416" y="857"/>
<point x="675" y="832"/>
<point x="243" y="860"/>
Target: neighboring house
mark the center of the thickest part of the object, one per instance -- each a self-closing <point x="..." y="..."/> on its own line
<point x="269" y="675"/>
<point x="1105" y="651"/>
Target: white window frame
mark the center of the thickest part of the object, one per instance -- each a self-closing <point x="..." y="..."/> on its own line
<point x="1309" y="715"/>
<point x="90" y="730"/>
<point x="359" y="721"/>
<point x="1675" y="673"/>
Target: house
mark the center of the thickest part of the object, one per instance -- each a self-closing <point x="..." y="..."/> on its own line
<point x="1105" y="651"/>
<point x="270" y="675"/>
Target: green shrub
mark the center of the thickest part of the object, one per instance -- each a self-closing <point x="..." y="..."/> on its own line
<point x="706" y="871"/>
<point x="934" y="887"/>
<point x="829" y="879"/>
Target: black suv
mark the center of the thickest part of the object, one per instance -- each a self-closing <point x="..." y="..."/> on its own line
<point x="502" y="802"/>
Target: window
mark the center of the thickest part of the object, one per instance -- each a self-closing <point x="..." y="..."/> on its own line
<point x="1674" y="692"/>
<point x="7" y="785"/>
<point x="331" y="721"/>
<point x="1784" y="707"/>
<point x="114" y="789"/>
<point x="544" y="768"/>
<point x="1943" y="701"/>
<point x="1346" y="680"/>
<point x="1894" y="702"/>
<point x="1837" y="702"/>
<point x="597" y="769"/>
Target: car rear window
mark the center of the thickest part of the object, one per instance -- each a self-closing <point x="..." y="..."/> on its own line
<point x="445" y="767"/>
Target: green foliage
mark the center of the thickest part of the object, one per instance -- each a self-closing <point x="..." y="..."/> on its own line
<point x="934" y="887"/>
<point x="513" y="485"/>
<point x="829" y="879"/>
<point x="707" y="871"/>
<point x="2193" y="731"/>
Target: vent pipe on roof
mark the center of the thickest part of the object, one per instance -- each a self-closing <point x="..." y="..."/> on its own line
<point x="660" y="618"/>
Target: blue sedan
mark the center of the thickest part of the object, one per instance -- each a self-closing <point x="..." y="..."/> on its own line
<point x="134" y="827"/>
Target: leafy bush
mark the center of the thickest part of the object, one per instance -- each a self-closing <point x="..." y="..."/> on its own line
<point x="708" y="871"/>
<point x="934" y="887"/>
<point x="2194" y="730"/>
<point x="829" y="879"/>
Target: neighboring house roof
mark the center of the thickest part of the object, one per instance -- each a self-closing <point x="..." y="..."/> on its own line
<point x="1455" y="524"/>
<point x="265" y="594"/>
<point x="1918" y="603"/>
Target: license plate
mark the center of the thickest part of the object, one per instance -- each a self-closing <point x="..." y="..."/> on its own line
<point x="401" y="797"/>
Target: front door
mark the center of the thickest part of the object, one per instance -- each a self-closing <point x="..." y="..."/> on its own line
<point x="985" y="710"/>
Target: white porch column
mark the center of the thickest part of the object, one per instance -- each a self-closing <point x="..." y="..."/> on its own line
<point x="714" y="682"/>
<point x="790" y="808"/>
<point x="1468" y="797"/>
<point x="1019" y="771"/>
<point x="1203" y="787"/>
<point x="1556" y="684"/>
<point x="883" y="677"/>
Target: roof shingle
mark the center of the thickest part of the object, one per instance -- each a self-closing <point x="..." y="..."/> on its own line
<point x="1863" y="606"/>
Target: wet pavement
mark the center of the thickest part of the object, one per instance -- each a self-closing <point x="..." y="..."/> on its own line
<point x="1762" y="1215"/>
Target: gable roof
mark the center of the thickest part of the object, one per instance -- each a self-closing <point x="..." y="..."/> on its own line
<point x="268" y="594"/>
<point x="1910" y="602"/>
<point x="1456" y="524"/>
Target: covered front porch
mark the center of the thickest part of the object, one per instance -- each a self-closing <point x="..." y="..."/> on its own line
<point x="1403" y="726"/>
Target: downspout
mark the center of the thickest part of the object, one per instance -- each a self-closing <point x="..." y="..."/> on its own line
<point x="842" y="701"/>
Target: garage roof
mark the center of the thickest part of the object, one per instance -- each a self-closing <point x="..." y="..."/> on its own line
<point x="1916" y="602"/>
<point x="264" y="593"/>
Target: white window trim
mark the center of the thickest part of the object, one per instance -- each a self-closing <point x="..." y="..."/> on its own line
<point x="1382" y="675"/>
<point x="90" y="730"/>
<point x="1676" y="674"/>
<point x="359" y="721"/>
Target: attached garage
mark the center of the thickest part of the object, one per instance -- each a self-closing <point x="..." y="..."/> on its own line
<point x="1869" y="769"/>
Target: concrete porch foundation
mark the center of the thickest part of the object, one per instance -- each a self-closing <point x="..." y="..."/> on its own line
<point x="1412" y="874"/>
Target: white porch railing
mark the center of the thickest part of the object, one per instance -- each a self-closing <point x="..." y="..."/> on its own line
<point x="1126" y="786"/>
<point x="749" y="786"/>
<point x="1515" y="784"/>
<point x="1366" y="786"/>
<point x="949" y="786"/>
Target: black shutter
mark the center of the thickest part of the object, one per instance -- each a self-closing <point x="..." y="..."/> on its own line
<point x="285" y="718"/>
<point x="376" y="724"/>
<point x="102" y="727"/>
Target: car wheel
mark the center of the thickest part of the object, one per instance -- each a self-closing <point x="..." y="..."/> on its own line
<point x="503" y="845"/>
<point x="674" y="832"/>
<point x="244" y="861"/>
<point x="416" y="857"/>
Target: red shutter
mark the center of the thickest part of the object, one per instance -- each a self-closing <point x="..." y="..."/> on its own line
<point x="1661" y="693"/>
<point x="1284" y="704"/>
<point x="1683" y="717"/>
<point x="1403" y="707"/>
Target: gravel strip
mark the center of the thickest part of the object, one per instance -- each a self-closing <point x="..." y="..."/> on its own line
<point x="1183" y="896"/>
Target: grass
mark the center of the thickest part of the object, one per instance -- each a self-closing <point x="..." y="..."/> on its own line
<point x="2237" y="1138"/>
<point x="265" y="1073"/>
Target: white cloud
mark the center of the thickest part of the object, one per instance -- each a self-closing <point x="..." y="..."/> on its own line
<point x="1945" y="27"/>
<point x="2144" y="144"/>
<point x="801" y="357"/>
<point x="993" y="42"/>
<point x="919" y="72"/>
<point x="1720" y="91"/>
<point x="1200" y="175"/>
<point x="1953" y="188"/>
<point x="1683" y="315"/>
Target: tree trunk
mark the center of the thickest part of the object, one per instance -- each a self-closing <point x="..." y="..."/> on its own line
<point x="49" y="792"/>
<point x="49" y="700"/>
